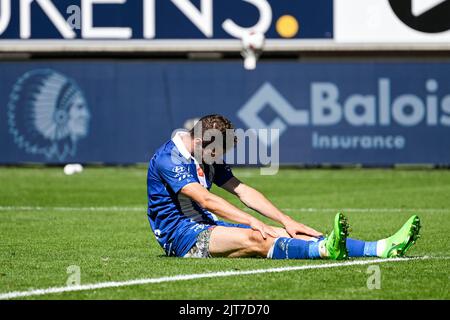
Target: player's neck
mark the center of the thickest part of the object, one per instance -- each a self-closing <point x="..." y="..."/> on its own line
<point x="188" y="143"/>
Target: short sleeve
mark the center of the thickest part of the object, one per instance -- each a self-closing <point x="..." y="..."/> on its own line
<point x="176" y="174"/>
<point x="222" y="174"/>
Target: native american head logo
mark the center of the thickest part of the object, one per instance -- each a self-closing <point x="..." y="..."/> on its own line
<point x="48" y="114"/>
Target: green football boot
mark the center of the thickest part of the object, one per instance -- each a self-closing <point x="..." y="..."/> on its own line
<point x="398" y="244"/>
<point x="335" y="242"/>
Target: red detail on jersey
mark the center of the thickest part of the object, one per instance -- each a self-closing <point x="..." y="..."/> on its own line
<point x="200" y="172"/>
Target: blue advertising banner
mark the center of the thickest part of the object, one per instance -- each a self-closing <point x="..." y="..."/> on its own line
<point x="164" y="19"/>
<point x="120" y="112"/>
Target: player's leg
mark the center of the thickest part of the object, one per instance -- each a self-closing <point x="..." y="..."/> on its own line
<point x="280" y="231"/>
<point x="283" y="233"/>
<point x="242" y="243"/>
<point x="394" y="246"/>
<point x="239" y="242"/>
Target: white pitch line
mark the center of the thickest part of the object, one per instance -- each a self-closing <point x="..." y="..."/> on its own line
<point x="93" y="209"/>
<point x="143" y="209"/>
<point x="104" y="285"/>
<point x="363" y="210"/>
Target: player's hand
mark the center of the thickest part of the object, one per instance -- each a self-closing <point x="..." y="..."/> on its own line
<point x="263" y="228"/>
<point x="295" y="228"/>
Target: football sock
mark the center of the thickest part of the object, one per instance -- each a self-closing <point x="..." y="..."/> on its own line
<point x="358" y="248"/>
<point x="288" y="248"/>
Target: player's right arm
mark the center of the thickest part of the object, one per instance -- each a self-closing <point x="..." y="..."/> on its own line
<point x="175" y="173"/>
<point x="224" y="209"/>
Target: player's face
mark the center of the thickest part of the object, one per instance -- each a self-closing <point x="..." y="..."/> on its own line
<point x="213" y="152"/>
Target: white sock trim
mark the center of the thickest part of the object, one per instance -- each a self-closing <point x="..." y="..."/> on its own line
<point x="323" y="250"/>
<point x="381" y="246"/>
<point x="270" y="253"/>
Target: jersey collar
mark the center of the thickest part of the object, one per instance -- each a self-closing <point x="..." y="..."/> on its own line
<point x="180" y="145"/>
<point x="185" y="153"/>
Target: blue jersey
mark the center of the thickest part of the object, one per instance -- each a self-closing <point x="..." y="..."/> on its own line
<point x="174" y="218"/>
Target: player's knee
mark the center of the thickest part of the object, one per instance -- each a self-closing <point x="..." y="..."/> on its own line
<point x="257" y="244"/>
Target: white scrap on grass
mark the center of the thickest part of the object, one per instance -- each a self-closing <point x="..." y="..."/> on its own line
<point x="71" y="169"/>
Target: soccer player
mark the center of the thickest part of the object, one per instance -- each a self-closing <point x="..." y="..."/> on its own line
<point x="183" y="212"/>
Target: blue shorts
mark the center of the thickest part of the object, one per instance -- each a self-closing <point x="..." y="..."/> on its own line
<point x="187" y="238"/>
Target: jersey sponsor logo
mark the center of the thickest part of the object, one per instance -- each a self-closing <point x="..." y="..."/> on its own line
<point x="48" y="114"/>
<point x="181" y="173"/>
<point x="182" y="177"/>
<point x="179" y="169"/>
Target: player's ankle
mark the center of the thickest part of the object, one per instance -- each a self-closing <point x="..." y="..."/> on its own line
<point x="324" y="254"/>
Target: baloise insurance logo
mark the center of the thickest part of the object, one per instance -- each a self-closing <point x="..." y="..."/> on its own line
<point x="429" y="16"/>
<point x="47" y="114"/>
<point x="329" y="107"/>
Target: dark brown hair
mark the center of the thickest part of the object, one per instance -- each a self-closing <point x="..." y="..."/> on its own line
<point x="212" y="122"/>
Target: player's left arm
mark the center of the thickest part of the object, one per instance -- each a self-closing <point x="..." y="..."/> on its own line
<point x="255" y="200"/>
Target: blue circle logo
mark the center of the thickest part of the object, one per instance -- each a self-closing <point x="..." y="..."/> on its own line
<point x="48" y="114"/>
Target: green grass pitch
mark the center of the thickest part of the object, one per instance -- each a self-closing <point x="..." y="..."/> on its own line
<point x="97" y="221"/>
